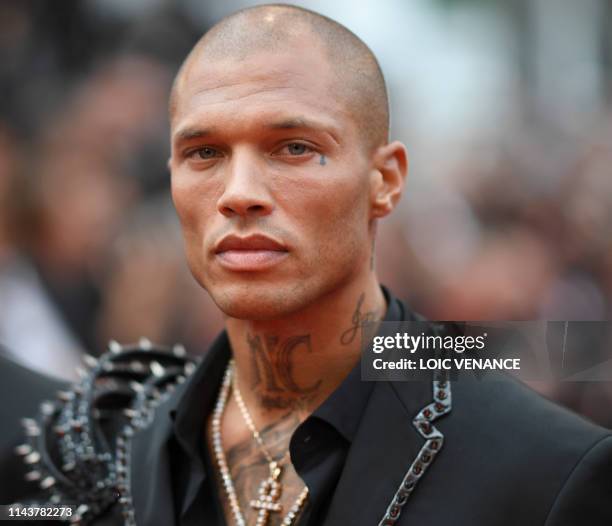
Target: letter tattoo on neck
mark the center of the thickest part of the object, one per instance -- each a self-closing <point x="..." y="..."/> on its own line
<point x="358" y="320"/>
<point x="273" y="363"/>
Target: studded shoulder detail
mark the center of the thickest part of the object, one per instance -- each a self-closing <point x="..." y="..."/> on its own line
<point x="78" y="447"/>
<point x="434" y="440"/>
<point x="440" y="405"/>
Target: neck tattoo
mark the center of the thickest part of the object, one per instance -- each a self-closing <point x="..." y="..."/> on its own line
<point x="358" y="321"/>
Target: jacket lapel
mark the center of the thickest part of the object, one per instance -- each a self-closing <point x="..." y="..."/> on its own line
<point x="386" y="445"/>
<point x="150" y="475"/>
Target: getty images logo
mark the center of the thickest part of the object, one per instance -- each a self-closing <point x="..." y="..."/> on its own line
<point x="428" y="342"/>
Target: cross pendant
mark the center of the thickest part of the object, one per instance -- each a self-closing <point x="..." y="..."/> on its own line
<point x="269" y="492"/>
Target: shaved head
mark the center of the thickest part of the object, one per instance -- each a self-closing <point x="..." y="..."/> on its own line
<point x="356" y="78"/>
<point x="279" y="136"/>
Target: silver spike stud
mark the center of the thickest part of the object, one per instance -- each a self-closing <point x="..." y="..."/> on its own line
<point x="23" y="450"/>
<point x="135" y="386"/>
<point x="115" y="347"/>
<point x="32" y="476"/>
<point x="65" y="396"/>
<point x="130" y="413"/>
<point x="47" y="408"/>
<point x="47" y="482"/>
<point x="69" y="466"/>
<point x="179" y="350"/>
<point x="145" y="344"/>
<point x="32" y="431"/>
<point x="157" y="369"/>
<point x="32" y="458"/>
<point x="81" y="372"/>
<point x="28" y="422"/>
<point x="90" y="361"/>
<point x="30" y="426"/>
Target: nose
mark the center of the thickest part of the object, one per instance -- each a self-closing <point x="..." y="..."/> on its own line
<point x="245" y="193"/>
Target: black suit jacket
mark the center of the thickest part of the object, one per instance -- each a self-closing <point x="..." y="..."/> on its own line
<point x="509" y="458"/>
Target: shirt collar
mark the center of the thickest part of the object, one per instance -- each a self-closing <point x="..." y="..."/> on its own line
<point x="344" y="407"/>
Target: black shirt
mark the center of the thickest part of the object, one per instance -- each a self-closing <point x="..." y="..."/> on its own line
<point x="318" y="446"/>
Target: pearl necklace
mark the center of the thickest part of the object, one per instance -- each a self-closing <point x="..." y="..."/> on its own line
<point x="270" y="488"/>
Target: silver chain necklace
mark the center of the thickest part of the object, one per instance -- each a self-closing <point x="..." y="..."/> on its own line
<point x="270" y="488"/>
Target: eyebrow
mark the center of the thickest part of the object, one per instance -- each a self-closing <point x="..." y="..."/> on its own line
<point x="291" y="123"/>
<point x="297" y="122"/>
<point x="192" y="133"/>
<point x="304" y="123"/>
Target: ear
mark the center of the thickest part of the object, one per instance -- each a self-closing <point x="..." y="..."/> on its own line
<point x="387" y="178"/>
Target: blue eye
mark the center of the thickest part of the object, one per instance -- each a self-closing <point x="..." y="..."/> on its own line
<point x="296" y="148"/>
<point x="206" y="153"/>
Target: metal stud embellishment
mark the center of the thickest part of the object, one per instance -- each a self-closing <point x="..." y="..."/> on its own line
<point x="73" y="450"/>
<point x="434" y="439"/>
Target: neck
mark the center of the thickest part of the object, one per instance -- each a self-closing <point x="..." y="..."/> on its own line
<point x="296" y="362"/>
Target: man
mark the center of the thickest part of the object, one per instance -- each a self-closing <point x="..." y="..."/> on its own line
<point x="281" y="168"/>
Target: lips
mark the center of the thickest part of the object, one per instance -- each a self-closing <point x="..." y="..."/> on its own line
<point x="252" y="253"/>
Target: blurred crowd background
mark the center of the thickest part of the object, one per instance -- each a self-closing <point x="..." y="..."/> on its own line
<point x="506" y="109"/>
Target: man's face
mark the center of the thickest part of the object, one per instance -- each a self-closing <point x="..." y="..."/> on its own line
<point x="270" y="179"/>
